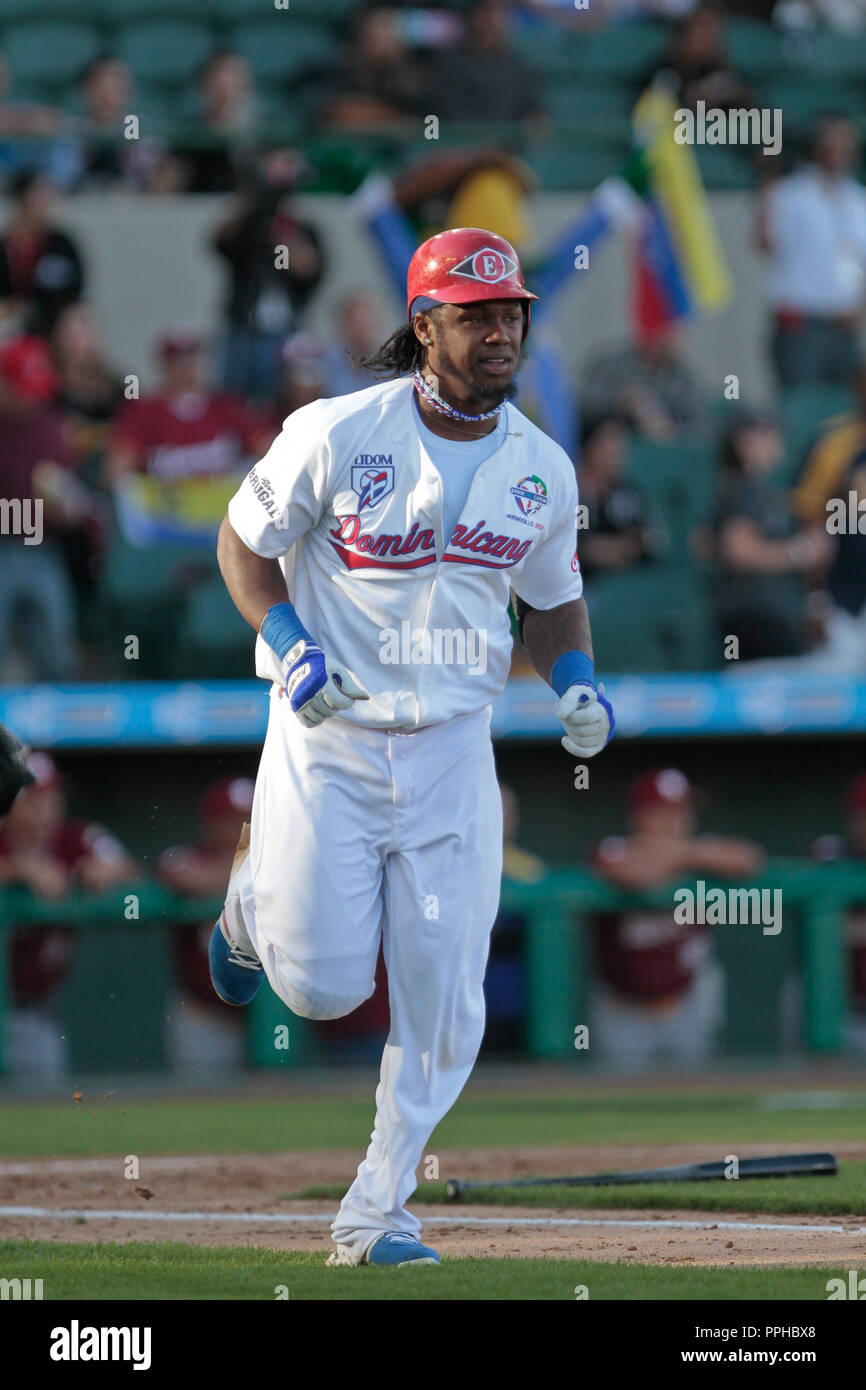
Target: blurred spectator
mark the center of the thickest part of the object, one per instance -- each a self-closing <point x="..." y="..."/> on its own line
<point x="35" y="135"/>
<point x="107" y="95"/>
<point x="648" y="383"/>
<point x="226" y="110"/>
<point x="834" y="470"/>
<point x="89" y="395"/>
<point x="852" y="845"/>
<point x="175" y="457"/>
<point x="40" y="267"/>
<point x="618" y="531"/>
<point x="379" y="78"/>
<point x="358" y="334"/>
<point x="761" y="555"/>
<point x="275" y="262"/>
<point x="37" y="610"/>
<point x="205" y="1032"/>
<point x="90" y="390"/>
<point x="304" y="379"/>
<point x="108" y="99"/>
<point x="483" y="77"/>
<point x="817" y="293"/>
<point x="184" y="429"/>
<point x="698" y="69"/>
<point x="52" y="855"/>
<point x="660" y="994"/>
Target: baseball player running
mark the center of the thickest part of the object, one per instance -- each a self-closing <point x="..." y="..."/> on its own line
<point x="372" y="550"/>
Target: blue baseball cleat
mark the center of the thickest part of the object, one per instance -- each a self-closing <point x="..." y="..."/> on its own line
<point x="397" y="1248"/>
<point x="235" y="975"/>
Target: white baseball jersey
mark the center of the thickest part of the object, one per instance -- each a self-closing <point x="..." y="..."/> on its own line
<point x="350" y="502"/>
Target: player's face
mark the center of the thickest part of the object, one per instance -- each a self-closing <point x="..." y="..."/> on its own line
<point x="476" y="348"/>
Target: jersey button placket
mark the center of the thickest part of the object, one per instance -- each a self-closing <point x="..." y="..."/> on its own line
<point x="432" y="506"/>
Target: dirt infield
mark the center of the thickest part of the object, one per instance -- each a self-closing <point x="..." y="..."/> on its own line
<point x="247" y="1200"/>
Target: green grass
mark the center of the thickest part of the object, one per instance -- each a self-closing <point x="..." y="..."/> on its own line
<point x="166" y="1270"/>
<point x="843" y="1195"/>
<point x="261" y="1125"/>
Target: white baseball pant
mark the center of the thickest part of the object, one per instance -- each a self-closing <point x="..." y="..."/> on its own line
<point x="359" y="834"/>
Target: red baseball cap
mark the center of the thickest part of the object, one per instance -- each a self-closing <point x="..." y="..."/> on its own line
<point x="27" y="370"/>
<point x="660" y="786"/>
<point x="232" y="795"/>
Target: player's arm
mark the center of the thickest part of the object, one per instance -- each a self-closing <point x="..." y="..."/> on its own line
<point x="633" y="864"/>
<point x="189" y="874"/>
<point x="554" y="624"/>
<point x="317" y="687"/>
<point x="254" y="582"/>
<point x="547" y="633"/>
<point x="729" y="858"/>
<point x="559" y="644"/>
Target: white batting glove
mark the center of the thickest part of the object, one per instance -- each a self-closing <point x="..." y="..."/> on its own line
<point x="587" y="717"/>
<point x="318" y="687"/>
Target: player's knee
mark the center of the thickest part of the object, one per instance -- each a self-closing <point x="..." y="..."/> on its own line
<point x="336" y="989"/>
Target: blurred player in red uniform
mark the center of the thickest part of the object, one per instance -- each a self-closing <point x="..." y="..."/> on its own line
<point x="41" y="848"/>
<point x="852" y="845"/>
<point x="203" y="1031"/>
<point x="661" y="996"/>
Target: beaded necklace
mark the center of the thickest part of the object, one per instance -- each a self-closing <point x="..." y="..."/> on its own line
<point x="426" y="390"/>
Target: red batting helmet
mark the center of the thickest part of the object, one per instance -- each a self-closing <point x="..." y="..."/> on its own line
<point x="464" y="266"/>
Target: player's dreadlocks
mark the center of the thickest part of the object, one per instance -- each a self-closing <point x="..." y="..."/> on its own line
<point x="399" y="354"/>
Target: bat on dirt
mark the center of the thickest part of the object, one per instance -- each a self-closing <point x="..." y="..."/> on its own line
<point x="775" y="1166"/>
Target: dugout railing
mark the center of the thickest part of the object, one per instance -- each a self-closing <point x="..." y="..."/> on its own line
<point x="814" y="900"/>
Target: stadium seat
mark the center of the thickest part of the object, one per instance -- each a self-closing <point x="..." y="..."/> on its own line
<point x="831" y="56"/>
<point x="281" y="47"/>
<point x="335" y="12"/>
<point x="681" y="615"/>
<point x="214" y="638"/>
<point x="11" y="10"/>
<point x="574" y="164"/>
<point x="569" y="100"/>
<point x="623" y="636"/>
<point x="146" y="592"/>
<point x="549" y="51"/>
<point x="163" y="52"/>
<point x="121" y="13"/>
<point x="725" y="166"/>
<point x="680" y="479"/>
<point x="625" y="51"/>
<point x="805" y="410"/>
<point x="53" y="51"/>
<point x="754" y="49"/>
<point x="801" y="101"/>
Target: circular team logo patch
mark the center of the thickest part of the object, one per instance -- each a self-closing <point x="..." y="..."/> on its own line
<point x="530" y="494"/>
